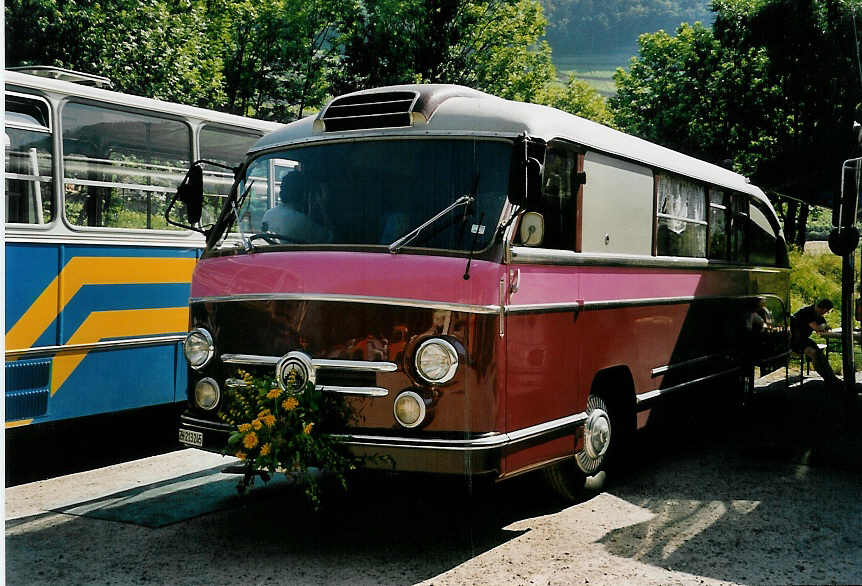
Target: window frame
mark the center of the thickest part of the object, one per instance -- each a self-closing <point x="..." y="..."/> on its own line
<point x="119" y="108"/>
<point x="49" y="130"/>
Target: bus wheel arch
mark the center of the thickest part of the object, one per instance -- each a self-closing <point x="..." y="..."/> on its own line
<point x="610" y="422"/>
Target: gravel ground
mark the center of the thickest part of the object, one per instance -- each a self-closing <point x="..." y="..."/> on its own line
<point x="770" y="496"/>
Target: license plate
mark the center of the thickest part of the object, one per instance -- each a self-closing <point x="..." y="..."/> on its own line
<point x="191" y="438"/>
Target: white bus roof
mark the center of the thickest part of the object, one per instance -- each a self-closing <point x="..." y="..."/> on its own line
<point x="456" y="110"/>
<point x="65" y="88"/>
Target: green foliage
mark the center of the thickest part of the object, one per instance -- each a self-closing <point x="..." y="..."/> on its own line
<point x="578" y="98"/>
<point x="814" y="277"/>
<point x="154" y="48"/>
<point x="490" y="45"/>
<point x="281" y="431"/>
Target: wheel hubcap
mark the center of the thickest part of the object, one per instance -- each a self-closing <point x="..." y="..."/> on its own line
<point x="597" y="434"/>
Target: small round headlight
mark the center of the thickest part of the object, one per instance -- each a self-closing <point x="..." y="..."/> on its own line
<point x="198" y="348"/>
<point x="436" y="361"/>
<point x="207" y="394"/>
<point x="409" y="409"/>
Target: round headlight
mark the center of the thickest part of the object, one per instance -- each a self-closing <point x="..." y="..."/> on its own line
<point x="436" y="361"/>
<point x="409" y="409"/>
<point x="207" y="394"/>
<point x="198" y="348"/>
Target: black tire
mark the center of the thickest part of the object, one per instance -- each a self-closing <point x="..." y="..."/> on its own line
<point x="587" y="471"/>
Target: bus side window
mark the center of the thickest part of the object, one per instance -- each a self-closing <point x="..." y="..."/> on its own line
<point x="681" y="218"/>
<point x="558" y="201"/>
<point x="121" y="168"/>
<point x="762" y="238"/>
<point x="719" y="221"/>
<point x="222" y="145"/>
<point x="28" y="154"/>
<point x="738" y="228"/>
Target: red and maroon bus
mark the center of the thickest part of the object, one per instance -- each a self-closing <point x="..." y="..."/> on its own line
<point x="496" y="287"/>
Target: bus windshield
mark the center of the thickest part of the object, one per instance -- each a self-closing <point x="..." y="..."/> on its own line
<point x="375" y="192"/>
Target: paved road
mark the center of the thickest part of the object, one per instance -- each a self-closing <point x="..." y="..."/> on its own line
<point x="770" y="496"/>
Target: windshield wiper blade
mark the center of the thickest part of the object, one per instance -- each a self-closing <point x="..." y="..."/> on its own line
<point x="407" y="238"/>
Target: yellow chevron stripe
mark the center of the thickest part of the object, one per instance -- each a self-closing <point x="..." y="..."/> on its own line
<point x="94" y="270"/>
<point x="18" y="423"/>
<point x="116" y="324"/>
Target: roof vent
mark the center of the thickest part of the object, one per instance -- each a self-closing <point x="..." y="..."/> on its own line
<point x="391" y="109"/>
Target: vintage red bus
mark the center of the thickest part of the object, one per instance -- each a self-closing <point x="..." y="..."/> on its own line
<point x="496" y="287"/>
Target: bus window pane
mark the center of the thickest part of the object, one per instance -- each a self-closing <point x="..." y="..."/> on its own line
<point x="29" y="188"/>
<point x="558" y="204"/>
<point x="738" y="244"/>
<point x="681" y="218"/>
<point x="120" y="168"/>
<point x="224" y="146"/>
<point x="22" y="111"/>
<point x="718" y="221"/>
<point x="678" y="238"/>
<point x="762" y="239"/>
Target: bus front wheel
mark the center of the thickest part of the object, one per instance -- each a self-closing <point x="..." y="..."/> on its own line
<point x="586" y="471"/>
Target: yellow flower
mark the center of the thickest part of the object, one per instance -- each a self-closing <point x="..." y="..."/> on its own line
<point x="244" y="427"/>
<point x="265" y="449"/>
<point x="264" y="413"/>
<point x="307" y="429"/>
<point x="250" y="440"/>
<point x="268" y="420"/>
<point x="241" y="455"/>
<point x="273" y="394"/>
<point x="289" y="404"/>
<point x="245" y="376"/>
<point x="256" y="424"/>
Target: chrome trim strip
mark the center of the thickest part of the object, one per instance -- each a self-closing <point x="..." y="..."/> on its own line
<point x="527" y="255"/>
<point x="492" y="441"/>
<point x="361" y="391"/>
<point x="250" y="359"/>
<point x="644" y="398"/>
<point x="318" y="363"/>
<point x="418" y="303"/>
<point x="660" y="370"/>
<point x="360" y="365"/>
<point x="543" y="307"/>
<point x="109" y="345"/>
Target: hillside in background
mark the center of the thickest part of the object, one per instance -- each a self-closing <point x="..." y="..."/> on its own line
<point x="613" y="26"/>
<point x="592" y="38"/>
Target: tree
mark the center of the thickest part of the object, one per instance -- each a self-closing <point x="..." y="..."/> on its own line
<point x="773" y="91"/>
<point x="578" y="98"/>
<point x="153" y="48"/>
<point x="279" y="54"/>
<point x="491" y="45"/>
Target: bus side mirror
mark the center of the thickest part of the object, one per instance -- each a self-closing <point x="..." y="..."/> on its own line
<point x="525" y="185"/>
<point x="532" y="229"/>
<point x="191" y="193"/>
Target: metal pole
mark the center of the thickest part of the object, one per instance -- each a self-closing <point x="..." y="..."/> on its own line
<point x="848" y="278"/>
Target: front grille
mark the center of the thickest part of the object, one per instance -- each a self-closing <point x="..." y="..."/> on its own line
<point x="349" y="377"/>
<point x="371" y="110"/>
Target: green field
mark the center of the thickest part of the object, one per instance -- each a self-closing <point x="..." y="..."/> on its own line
<point x="596" y="69"/>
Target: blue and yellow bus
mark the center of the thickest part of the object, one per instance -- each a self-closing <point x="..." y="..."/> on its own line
<point x="97" y="283"/>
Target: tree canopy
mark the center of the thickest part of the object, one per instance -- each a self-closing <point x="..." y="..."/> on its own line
<point x="772" y="90"/>
<point x="282" y="59"/>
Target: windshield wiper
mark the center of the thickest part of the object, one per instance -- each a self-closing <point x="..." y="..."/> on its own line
<point x="464" y="200"/>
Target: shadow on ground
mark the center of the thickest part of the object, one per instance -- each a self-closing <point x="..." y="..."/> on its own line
<point x="768" y="494"/>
